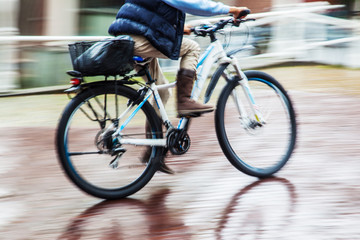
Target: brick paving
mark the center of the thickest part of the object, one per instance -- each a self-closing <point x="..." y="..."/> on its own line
<point x="316" y="195"/>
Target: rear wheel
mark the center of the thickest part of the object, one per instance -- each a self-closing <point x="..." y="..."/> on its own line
<point x="89" y="154"/>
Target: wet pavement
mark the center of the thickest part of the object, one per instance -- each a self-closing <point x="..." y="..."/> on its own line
<point x="315" y="196"/>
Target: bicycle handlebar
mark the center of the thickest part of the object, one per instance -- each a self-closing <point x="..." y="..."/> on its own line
<point x="205" y="30"/>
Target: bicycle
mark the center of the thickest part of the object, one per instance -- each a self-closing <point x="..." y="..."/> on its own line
<point x="110" y="140"/>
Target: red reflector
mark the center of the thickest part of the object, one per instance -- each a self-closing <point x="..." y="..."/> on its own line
<point x="75" y="81"/>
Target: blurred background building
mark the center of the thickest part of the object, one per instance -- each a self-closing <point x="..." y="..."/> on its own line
<point x="39" y="61"/>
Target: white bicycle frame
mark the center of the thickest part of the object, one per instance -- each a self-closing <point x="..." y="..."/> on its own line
<point x="215" y="53"/>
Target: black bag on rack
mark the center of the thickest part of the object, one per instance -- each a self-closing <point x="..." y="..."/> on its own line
<point x="110" y="57"/>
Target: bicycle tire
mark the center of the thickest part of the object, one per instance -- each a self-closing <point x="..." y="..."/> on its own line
<point x="80" y="139"/>
<point x="262" y="151"/>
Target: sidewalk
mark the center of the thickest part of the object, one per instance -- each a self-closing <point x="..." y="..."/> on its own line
<point x="313" y="78"/>
<point x="315" y="196"/>
<point x="33" y="91"/>
<point x="43" y="106"/>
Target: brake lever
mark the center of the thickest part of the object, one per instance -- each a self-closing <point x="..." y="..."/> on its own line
<point x="239" y="21"/>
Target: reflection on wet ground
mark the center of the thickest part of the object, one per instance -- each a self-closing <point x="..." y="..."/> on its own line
<point x="267" y="217"/>
<point x="316" y="196"/>
<point x="111" y="218"/>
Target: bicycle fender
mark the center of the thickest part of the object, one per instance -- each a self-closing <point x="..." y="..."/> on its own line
<point x="214" y="80"/>
<point x="96" y="84"/>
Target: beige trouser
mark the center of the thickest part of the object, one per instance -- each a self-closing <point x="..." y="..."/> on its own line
<point x="189" y="54"/>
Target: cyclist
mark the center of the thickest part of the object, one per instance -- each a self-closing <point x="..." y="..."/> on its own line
<point x="157" y="28"/>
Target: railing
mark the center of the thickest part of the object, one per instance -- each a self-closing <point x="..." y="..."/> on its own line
<point x="289" y="32"/>
<point x="299" y="32"/>
<point x="40" y="39"/>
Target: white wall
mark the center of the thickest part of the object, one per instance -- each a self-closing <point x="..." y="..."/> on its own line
<point x="62" y="17"/>
<point x="282" y="2"/>
<point x="8" y="27"/>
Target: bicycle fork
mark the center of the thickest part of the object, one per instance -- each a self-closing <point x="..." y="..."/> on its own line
<point x="246" y="119"/>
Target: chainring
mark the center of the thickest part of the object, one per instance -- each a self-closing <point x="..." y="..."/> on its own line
<point x="178" y="142"/>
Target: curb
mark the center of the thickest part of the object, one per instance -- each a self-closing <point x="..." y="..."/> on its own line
<point x="34" y="91"/>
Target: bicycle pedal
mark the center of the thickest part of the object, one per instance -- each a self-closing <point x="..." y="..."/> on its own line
<point x="190" y="115"/>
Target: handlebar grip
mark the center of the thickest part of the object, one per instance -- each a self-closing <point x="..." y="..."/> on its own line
<point x="244" y="13"/>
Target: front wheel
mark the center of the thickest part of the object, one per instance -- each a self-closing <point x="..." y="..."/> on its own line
<point x="90" y="155"/>
<point x="256" y="148"/>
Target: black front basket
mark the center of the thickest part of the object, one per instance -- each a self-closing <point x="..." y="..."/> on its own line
<point x="110" y="57"/>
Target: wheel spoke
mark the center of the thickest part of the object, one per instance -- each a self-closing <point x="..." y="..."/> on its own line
<point x="256" y="149"/>
<point x="86" y="149"/>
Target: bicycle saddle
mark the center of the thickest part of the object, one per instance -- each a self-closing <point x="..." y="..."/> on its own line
<point x="138" y="59"/>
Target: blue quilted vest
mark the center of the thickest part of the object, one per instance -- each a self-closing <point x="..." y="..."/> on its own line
<point x="161" y="24"/>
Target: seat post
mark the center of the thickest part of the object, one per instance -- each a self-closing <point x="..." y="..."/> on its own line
<point x="147" y="73"/>
<point x="144" y="65"/>
<point x="144" y="71"/>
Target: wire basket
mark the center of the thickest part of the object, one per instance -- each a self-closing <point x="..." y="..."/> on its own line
<point x="109" y="57"/>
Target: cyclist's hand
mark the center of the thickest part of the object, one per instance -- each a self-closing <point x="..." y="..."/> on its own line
<point x="239" y="12"/>
<point x="187" y="29"/>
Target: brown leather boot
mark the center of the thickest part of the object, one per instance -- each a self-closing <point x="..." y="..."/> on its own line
<point x="187" y="107"/>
